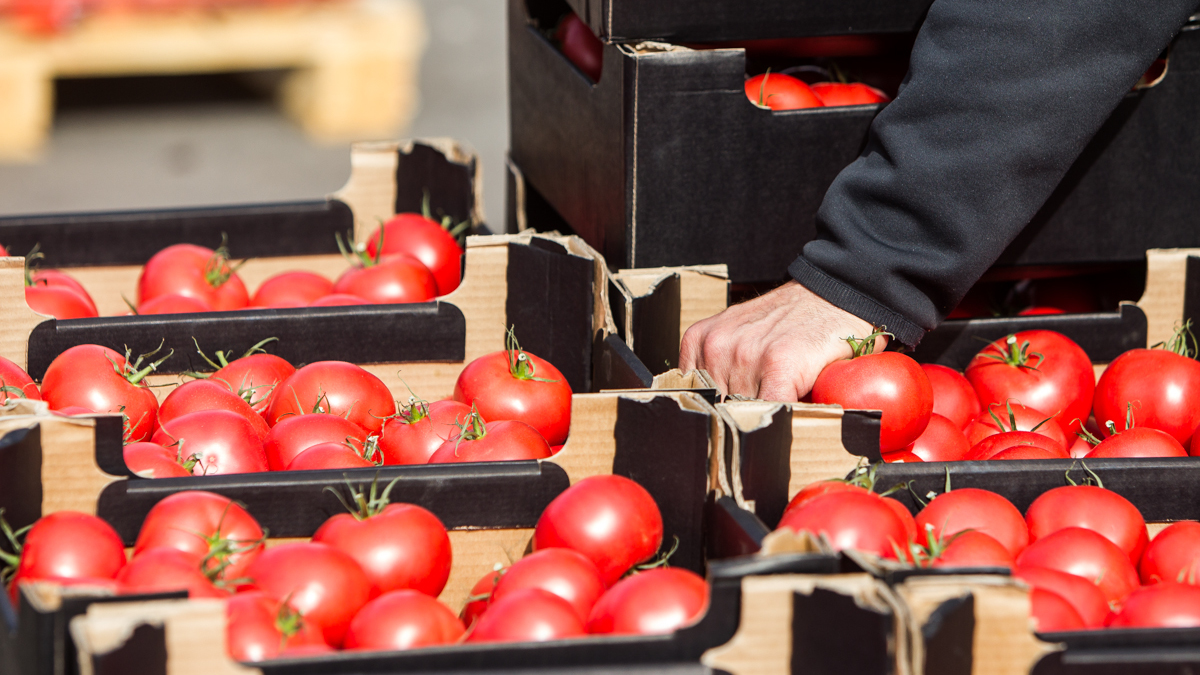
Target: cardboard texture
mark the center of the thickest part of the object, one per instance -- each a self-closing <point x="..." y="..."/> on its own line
<point x="628" y="162"/>
<point x="643" y="302"/>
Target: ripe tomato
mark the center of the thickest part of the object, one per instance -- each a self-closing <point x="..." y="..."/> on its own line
<point x="394" y="279"/>
<point x="173" y="303"/>
<point x="1014" y="417"/>
<point x="194" y="271"/>
<point x="1087" y="554"/>
<point x="890" y="382"/>
<point x="528" y="615"/>
<point x="905" y="516"/>
<point x="780" y="92"/>
<point x="566" y="573"/>
<point x="221" y="441"/>
<point x="1139" y="442"/>
<point x="55" y="278"/>
<point x="151" y="460"/>
<point x="901" y="457"/>
<point x="293" y="435"/>
<point x="161" y="570"/>
<point x="978" y="510"/>
<point x="16" y="383"/>
<point x="204" y="524"/>
<point x="324" y="456"/>
<point x="403" y="619"/>
<point x="1092" y="508"/>
<point x="334" y="387"/>
<point x="69" y="545"/>
<point x="259" y="628"/>
<point x="972" y="548"/>
<point x="291" y="289"/>
<point x="516" y="385"/>
<point x="852" y="93"/>
<point x="198" y="395"/>
<point x="610" y="519"/>
<point x="57" y="302"/>
<point x="580" y="46"/>
<point x="481" y="597"/>
<point x="414" y="235"/>
<point x="339" y="300"/>
<point x="653" y="602"/>
<point x="1174" y="555"/>
<point x="850" y="520"/>
<point x="324" y="584"/>
<point x="1164" y="605"/>
<point x="420" y="429"/>
<point x="492" y="442"/>
<point x="953" y="396"/>
<point x="398" y="546"/>
<point x="813" y="490"/>
<point x="1079" y="448"/>
<point x="1161" y="385"/>
<point x="1052" y="612"/>
<point x="255" y="378"/>
<point x="99" y="379"/>
<point x="1037" y="368"/>
<point x="1016" y="445"/>
<point x="942" y="441"/>
<point x="1083" y="595"/>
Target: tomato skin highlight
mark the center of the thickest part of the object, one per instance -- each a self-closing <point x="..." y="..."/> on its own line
<point x="291" y="289"/>
<point x="69" y="545"/>
<point x="338" y="388"/>
<point x="183" y="520"/>
<point x="1087" y="554"/>
<point x="200" y="395"/>
<point x="979" y="510"/>
<point x="161" y="570"/>
<point x="402" y="547"/>
<point x="58" y="302"/>
<point x="528" y="615"/>
<point x="84" y="376"/>
<point x="1093" y="508"/>
<point x="850" y="521"/>
<point x="953" y="396"/>
<point x="888" y="381"/>
<point x="488" y="384"/>
<point x="416" y="236"/>
<point x="53" y="278"/>
<point x="1164" y="385"/>
<point x="504" y="441"/>
<point x="403" y="619"/>
<point x="297" y="433"/>
<point x="1083" y="595"/>
<point x="653" y="602"/>
<point x="151" y="460"/>
<point x="942" y="441"/>
<point x="1163" y="605"/>
<point x="224" y="442"/>
<point x="974" y="549"/>
<point x="781" y="92"/>
<point x="1138" y="442"/>
<point x="394" y="280"/>
<point x="851" y="93"/>
<point x="1061" y="382"/>
<point x="996" y="445"/>
<point x="1173" y="555"/>
<point x="566" y="573"/>
<point x="813" y="490"/>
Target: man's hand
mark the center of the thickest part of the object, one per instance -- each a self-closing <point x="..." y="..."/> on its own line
<point x="772" y="347"/>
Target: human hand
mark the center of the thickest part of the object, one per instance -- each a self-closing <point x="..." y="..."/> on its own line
<point x="774" y="346"/>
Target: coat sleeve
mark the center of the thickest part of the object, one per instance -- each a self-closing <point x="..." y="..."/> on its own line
<point x="999" y="100"/>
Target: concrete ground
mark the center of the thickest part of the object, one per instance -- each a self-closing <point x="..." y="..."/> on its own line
<point x="159" y="142"/>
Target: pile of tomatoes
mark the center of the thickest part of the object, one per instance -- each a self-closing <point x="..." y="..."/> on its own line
<point x="1083" y="549"/>
<point x="411" y="258"/>
<point x="779" y="91"/>
<point x="1031" y="395"/>
<point x="260" y="413"/>
<point x="369" y="579"/>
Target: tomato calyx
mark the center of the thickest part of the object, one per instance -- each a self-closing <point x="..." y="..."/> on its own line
<point x="1012" y="419"/>
<point x="924" y="555"/>
<point x="457" y="231"/>
<point x="31" y="261"/>
<point x="221" y="551"/>
<point x="356" y="253"/>
<point x="865" y="346"/>
<point x="10" y="560"/>
<point x="132" y="371"/>
<point x="663" y="559"/>
<point x="1091" y="479"/>
<point x="364" y="504"/>
<point x="217" y="269"/>
<point x="223" y="356"/>
<point x="762" y="91"/>
<point x="288" y="621"/>
<point x="1016" y="355"/>
<point x="520" y="365"/>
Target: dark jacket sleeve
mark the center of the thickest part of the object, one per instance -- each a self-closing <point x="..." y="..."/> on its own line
<point x="1000" y="98"/>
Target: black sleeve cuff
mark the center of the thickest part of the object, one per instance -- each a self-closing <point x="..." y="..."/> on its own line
<point x="851" y="300"/>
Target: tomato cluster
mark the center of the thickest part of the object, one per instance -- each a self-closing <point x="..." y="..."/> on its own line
<point x="779" y="91"/>
<point x="1083" y="549"/>
<point x="370" y="579"/>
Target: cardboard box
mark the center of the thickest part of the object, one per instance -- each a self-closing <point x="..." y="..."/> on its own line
<point x="665" y="161"/>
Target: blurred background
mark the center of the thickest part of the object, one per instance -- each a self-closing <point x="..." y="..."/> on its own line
<point x="135" y="141"/>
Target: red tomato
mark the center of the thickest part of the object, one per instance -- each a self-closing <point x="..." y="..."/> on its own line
<point x="329" y="456"/>
<point x="1037" y="368"/>
<point x="481" y="597"/>
<point x="580" y="46"/>
<point x="99" y="379"/>
<point x="1014" y="417"/>
<point x="151" y="460"/>
<point x="58" y="302"/>
<point x="222" y="442"/>
<point x="813" y="490"/>
<point x="161" y="570"/>
<point x="1040" y="311"/>
<point x="259" y="628"/>
<point x="1174" y="555"/>
<point x="403" y="619"/>
<point x="901" y="457"/>
<point x="293" y="435"/>
<point x="780" y="92"/>
<point x="1163" y="605"/>
<point x="979" y="510"/>
<point x="1083" y="595"/>
<point x="1087" y="554"/>
<point x="339" y="300"/>
<point x="1139" y="442"/>
<point x="334" y="387"/>
<point x="196" y="272"/>
<point x="1092" y="508"/>
<point x="16" y="383"/>
<point x="69" y="545"/>
<point x="850" y="520"/>
<point x="566" y="573"/>
<point x="610" y="519"/>
<point x="420" y="429"/>
<point x="55" y="278"/>
<point x="492" y="442"/>
<point x="516" y="385"/>
<point x="394" y="279"/>
<point x="942" y="441"/>
<point x="1016" y="445"/>
<point x="401" y="546"/>
<point x="973" y="549"/>
<point x="173" y="303"/>
<point x="890" y="382"/>
<point x="204" y="524"/>
<point x="1023" y="452"/>
<point x="254" y="377"/>
<point x="953" y="396"/>
<point x="322" y="583"/>
<point x="905" y="516"/>
<point x="653" y="602"/>
<point x="528" y="615"/>
<point x="1079" y="448"/>
<point x="414" y="235"/>
<point x="291" y="289"/>
<point x="1052" y="612"/>
<point x="1162" y="386"/>
<point x="853" y="93"/>
<point x="198" y="395"/>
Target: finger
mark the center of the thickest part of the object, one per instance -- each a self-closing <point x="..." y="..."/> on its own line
<point x="778" y="387"/>
<point x="690" y="355"/>
<point x="743" y="372"/>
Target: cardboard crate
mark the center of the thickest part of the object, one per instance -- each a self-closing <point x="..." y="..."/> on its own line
<point x="664" y="161"/>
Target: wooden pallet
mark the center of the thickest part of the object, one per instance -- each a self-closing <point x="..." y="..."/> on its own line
<point x="353" y="63"/>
